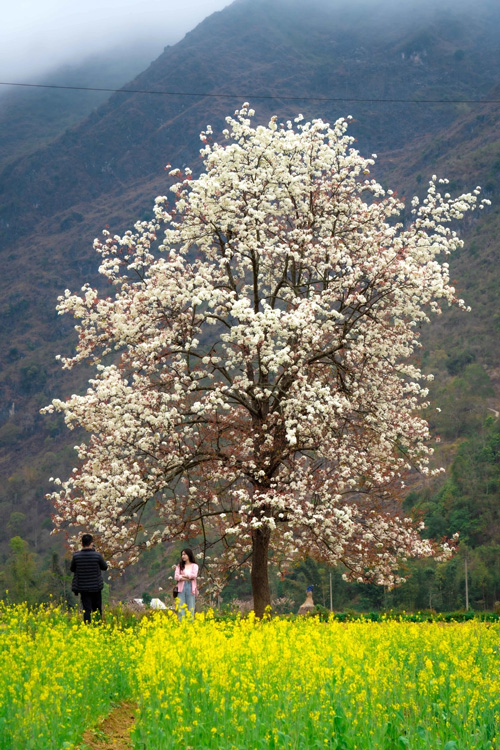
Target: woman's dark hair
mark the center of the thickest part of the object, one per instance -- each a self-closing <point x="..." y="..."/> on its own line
<point x="190" y="554"/>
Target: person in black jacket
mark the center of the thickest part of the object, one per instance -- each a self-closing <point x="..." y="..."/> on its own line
<point x="87" y="565"/>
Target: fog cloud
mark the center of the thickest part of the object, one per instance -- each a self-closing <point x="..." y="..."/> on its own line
<point x="37" y="36"/>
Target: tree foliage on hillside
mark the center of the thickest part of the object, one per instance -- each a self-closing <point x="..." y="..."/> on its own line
<point x="264" y="399"/>
<point x="467" y="502"/>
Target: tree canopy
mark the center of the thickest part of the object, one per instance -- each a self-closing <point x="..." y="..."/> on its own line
<point x="255" y="388"/>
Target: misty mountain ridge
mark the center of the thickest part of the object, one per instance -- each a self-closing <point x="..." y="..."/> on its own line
<point x="256" y="49"/>
<point x="31" y="117"/>
<point x="284" y="57"/>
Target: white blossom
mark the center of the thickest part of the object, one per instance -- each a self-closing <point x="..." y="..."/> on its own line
<point x="252" y="376"/>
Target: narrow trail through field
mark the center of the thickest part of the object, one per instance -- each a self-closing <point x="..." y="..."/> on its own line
<point x="113" y="733"/>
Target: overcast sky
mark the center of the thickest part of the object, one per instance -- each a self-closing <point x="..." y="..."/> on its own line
<point x="39" y="35"/>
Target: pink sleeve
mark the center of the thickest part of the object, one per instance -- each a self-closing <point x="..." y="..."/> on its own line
<point x="195" y="572"/>
<point x="177" y="573"/>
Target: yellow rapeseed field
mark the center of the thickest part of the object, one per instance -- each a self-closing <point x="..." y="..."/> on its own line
<point x="247" y="684"/>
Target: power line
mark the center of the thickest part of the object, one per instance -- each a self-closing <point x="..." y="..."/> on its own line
<point x="245" y="97"/>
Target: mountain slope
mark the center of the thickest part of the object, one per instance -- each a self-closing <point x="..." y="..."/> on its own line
<point x="286" y="49"/>
<point x="31" y="117"/>
<point x="107" y="169"/>
<point x="468" y="154"/>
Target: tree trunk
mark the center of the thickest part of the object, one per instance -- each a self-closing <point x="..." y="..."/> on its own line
<point x="260" y="578"/>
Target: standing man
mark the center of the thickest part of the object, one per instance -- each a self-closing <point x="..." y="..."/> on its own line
<point x="87" y="565"/>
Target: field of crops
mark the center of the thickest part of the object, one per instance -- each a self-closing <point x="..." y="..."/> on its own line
<point x="248" y="685"/>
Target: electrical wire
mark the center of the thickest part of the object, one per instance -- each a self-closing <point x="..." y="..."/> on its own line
<point x="240" y="97"/>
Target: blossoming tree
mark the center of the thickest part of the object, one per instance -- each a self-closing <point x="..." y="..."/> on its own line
<point x="254" y="386"/>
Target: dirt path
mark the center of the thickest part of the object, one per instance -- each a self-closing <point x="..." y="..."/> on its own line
<point x="113" y="733"/>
